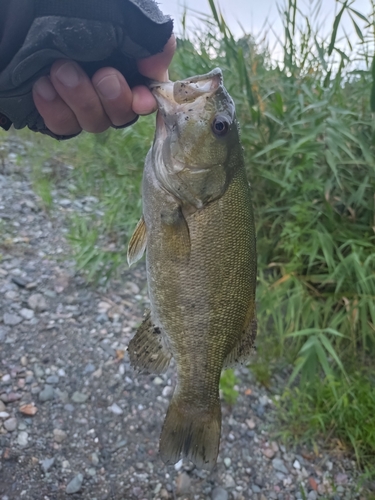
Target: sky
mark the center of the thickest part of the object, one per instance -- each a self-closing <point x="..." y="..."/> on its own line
<point x="252" y="14"/>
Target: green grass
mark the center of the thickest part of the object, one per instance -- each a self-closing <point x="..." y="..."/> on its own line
<point x="309" y="141"/>
<point x="344" y="419"/>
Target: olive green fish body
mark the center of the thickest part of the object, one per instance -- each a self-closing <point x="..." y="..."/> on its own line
<point x="201" y="270"/>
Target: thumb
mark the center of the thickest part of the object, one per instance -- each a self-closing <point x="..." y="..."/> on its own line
<point x="156" y="67"/>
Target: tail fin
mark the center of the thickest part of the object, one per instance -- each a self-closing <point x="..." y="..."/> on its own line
<point x="192" y="433"/>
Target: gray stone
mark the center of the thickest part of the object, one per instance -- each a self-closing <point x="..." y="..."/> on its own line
<point x="94" y="459"/>
<point x="79" y="397"/>
<point x="279" y="465"/>
<point x="227" y="462"/>
<point x="114" y="408"/>
<point x="37" y="302"/>
<point x="22" y="439"/>
<point x="11" y="319"/>
<point x="312" y="495"/>
<point x="183" y="484"/>
<point x="11" y="424"/>
<point x="38" y="371"/>
<point x="27" y="313"/>
<point x="59" y="435"/>
<point x="229" y="481"/>
<point x="47" y="464"/>
<point x="255" y="488"/>
<point x="2" y="406"/>
<point x="89" y="368"/>
<point x="219" y="493"/>
<point x="69" y="407"/>
<point x="102" y="318"/>
<point x="52" y="379"/>
<point x="46" y="394"/>
<point x="75" y="484"/>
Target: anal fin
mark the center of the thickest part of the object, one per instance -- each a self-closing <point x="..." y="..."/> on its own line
<point x="147" y="350"/>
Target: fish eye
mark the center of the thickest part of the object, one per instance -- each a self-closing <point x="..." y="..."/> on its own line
<point x="220" y="126"/>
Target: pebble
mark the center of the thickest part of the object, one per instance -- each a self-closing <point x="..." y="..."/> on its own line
<point x="279" y="465"/>
<point x="52" y="379"/>
<point x="183" y="484"/>
<point x="22" y="438"/>
<point x="229" y="481"/>
<point x="264" y="400"/>
<point x="2" y="406"/>
<point x="79" y="397"/>
<point x="167" y="391"/>
<point x="75" y="484"/>
<point x="27" y="313"/>
<point x="297" y="465"/>
<point x="158" y="381"/>
<point x="47" y="464"/>
<point x="312" y="495"/>
<point x="46" y="394"/>
<point x="4" y="414"/>
<point x="59" y="435"/>
<point x="341" y="478"/>
<point x="6" y="379"/>
<point x="114" y="408"/>
<point x="227" y="462"/>
<point x="37" y="302"/>
<point x="11" y="319"/>
<point x="268" y="452"/>
<point x="219" y="493"/>
<point x="11" y="424"/>
<point x="250" y="423"/>
<point x="94" y="459"/>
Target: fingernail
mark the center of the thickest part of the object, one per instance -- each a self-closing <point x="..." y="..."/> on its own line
<point x="68" y="75"/>
<point x="44" y="88"/>
<point x="109" y="87"/>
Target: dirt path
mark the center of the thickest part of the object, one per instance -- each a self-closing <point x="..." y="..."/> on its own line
<point x="94" y="434"/>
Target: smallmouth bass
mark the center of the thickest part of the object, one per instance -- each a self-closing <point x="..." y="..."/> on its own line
<point x="199" y="235"/>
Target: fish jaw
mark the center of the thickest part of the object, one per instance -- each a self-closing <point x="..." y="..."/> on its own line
<point x="168" y="94"/>
<point x="190" y="160"/>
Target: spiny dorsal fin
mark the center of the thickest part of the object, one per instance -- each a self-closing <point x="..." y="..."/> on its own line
<point x="137" y="243"/>
<point x="148" y="351"/>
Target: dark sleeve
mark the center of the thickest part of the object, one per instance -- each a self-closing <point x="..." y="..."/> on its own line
<point x="13" y="13"/>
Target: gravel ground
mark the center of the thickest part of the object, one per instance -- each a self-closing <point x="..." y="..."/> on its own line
<point x="75" y="420"/>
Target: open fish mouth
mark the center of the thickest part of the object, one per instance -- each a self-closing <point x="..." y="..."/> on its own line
<point x="169" y="94"/>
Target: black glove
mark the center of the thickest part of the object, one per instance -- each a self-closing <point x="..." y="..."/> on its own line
<point x="95" y="33"/>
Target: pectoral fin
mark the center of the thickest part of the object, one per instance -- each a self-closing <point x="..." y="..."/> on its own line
<point x="176" y="233"/>
<point x="148" y="350"/>
<point x="137" y="243"/>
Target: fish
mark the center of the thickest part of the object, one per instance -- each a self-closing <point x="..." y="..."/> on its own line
<point x="198" y="233"/>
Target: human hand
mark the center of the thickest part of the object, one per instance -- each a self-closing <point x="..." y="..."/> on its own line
<point x="70" y="102"/>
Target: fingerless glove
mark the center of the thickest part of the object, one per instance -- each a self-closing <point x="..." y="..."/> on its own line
<point x="95" y="33"/>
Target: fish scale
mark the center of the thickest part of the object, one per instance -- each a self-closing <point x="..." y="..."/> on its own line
<point x="199" y="236"/>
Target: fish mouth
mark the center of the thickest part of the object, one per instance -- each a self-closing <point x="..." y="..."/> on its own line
<point x="168" y="94"/>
